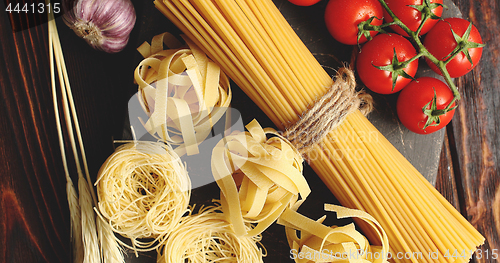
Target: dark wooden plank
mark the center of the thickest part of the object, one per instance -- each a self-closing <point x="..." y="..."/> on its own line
<point x="475" y="130"/>
<point x="33" y="207"/>
<point x="445" y="178"/>
<point x="34" y="212"/>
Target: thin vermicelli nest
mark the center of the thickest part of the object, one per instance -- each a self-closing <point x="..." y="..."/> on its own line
<point x="208" y="237"/>
<point x="143" y="190"/>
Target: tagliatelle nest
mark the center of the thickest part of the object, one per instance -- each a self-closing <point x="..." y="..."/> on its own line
<point x="143" y="191"/>
<point x="183" y="82"/>
<point x="312" y="241"/>
<point x="208" y="237"/>
<point x="258" y="176"/>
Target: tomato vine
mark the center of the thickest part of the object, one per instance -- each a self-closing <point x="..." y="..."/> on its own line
<point x="463" y="44"/>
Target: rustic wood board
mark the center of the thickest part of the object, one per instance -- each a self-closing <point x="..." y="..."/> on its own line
<point x="33" y="207"/>
<point x="474" y="145"/>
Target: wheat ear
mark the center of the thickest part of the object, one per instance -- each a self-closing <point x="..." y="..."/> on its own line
<point x="87" y="199"/>
<point x="73" y="202"/>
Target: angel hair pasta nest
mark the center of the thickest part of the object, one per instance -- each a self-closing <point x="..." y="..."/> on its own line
<point x="208" y="237"/>
<point x="143" y="191"/>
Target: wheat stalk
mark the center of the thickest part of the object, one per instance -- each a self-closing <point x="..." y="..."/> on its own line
<point x="73" y="201"/>
<point x="84" y="231"/>
<point x="76" y="225"/>
<point x="89" y="230"/>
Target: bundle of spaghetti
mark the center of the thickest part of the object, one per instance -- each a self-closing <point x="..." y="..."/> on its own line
<point x="312" y="241"/>
<point x="208" y="237"/>
<point x="259" y="50"/>
<point x="259" y="177"/>
<point x="182" y="81"/>
<point x="143" y="190"/>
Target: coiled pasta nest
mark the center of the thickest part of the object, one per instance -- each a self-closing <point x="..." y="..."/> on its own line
<point x="258" y="177"/>
<point x="208" y="237"/>
<point x="143" y="190"/>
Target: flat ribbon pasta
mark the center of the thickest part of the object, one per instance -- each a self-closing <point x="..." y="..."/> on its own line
<point x="143" y="190"/>
<point x="182" y="92"/>
<point x="258" y="177"/>
<point x="320" y="243"/>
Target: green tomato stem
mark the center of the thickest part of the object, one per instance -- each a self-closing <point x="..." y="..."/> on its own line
<point x="395" y="19"/>
<point x="422" y="51"/>
<point x="419" y="29"/>
<point x="420" y="54"/>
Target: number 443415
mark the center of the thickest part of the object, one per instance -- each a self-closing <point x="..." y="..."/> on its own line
<point x="33" y="8"/>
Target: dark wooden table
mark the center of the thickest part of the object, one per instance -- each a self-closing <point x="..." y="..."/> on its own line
<point x="34" y="215"/>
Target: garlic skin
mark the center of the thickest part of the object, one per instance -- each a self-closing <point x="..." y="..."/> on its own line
<point x="104" y="24"/>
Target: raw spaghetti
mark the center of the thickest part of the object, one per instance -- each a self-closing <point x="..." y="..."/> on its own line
<point x="143" y="190"/>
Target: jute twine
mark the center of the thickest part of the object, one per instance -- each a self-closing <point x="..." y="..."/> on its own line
<point x="329" y="111"/>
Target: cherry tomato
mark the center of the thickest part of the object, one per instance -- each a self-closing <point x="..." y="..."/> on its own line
<point x="414" y="98"/>
<point x="440" y="43"/>
<point x="410" y="16"/>
<point x="380" y="52"/>
<point x="304" y="2"/>
<point x="343" y="16"/>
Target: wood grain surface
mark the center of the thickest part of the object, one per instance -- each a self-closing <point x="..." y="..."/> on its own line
<point x="473" y="134"/>
<point x="34" y="215"/>
<point x="32" y="205"/>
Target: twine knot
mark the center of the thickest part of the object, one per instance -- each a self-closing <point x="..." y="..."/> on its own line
<point x="329" y="111"/>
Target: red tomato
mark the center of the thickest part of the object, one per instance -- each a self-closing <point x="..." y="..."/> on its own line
<point x="304" y="2"/>
<point x="440" y="42"/>
<point x="410" y="16"/>
<point x="414" y="98"/>
<point x="343" y="16"/>
<point x="380" y="52"/>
